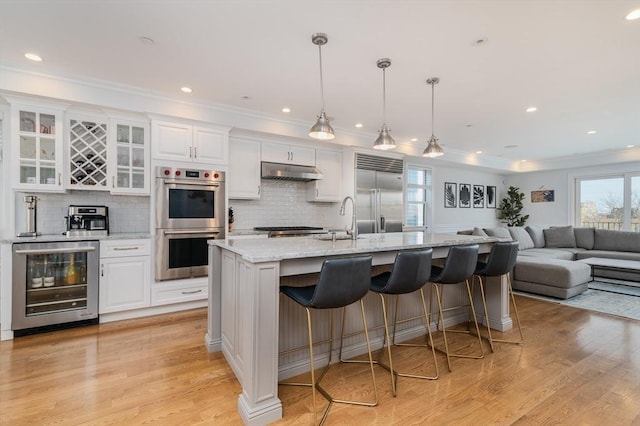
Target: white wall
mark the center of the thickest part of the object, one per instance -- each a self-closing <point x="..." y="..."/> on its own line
<point x="559" y="212"/>
<point x="455" y="219"/>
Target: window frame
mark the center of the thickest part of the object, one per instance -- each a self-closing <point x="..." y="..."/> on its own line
<point x="427" y="204"/>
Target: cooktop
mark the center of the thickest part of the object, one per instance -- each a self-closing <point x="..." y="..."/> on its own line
<point x="287" y="228"/>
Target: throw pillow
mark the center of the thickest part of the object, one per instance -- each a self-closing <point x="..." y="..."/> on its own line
<point x="479" y="232"/>
<point x="536" y="234"/>
<point x="498" y="232"/>
<point x="560" y="236"/>
<point x="519" y="234"/>
<point x="585" y="237"/>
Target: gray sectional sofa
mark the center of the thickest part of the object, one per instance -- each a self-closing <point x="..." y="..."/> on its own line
<point x="547" y="258"/>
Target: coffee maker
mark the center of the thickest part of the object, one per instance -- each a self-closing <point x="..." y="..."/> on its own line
<point x="87" y="221"/>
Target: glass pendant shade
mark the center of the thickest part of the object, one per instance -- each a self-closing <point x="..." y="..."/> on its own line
<point x="433" y="150"/>
<point x="384" y="140"/>
<point x="322" y="129"/>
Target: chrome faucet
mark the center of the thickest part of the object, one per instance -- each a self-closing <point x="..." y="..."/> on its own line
<point x="354" y="230"/>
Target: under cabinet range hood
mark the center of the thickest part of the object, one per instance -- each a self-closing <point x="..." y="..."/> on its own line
<point x="281" y="171"/>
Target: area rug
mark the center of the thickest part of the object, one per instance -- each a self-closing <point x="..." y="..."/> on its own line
<point x="602" y="297"/>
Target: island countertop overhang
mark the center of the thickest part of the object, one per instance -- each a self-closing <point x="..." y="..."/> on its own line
<point x="278" y="249"/>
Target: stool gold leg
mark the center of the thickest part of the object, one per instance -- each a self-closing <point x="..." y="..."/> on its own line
<point x="486" y="312"/>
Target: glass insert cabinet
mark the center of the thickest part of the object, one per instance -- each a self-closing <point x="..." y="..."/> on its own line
<point x="54" y="283"/>
<point x="39" y="150"/>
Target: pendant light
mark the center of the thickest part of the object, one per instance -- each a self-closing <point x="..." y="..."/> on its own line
<point x="433" y="150"/>
<point x="384" y="140"/>
<point x="322" y="129"/>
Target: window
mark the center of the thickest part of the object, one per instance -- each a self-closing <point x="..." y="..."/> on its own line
<point x="418" y="200"/>
<point x="609" y="202"/>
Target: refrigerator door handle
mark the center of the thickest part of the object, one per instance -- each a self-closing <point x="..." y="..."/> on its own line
<point x="382" y="223"/>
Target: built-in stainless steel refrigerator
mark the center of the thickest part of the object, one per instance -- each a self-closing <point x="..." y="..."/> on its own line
<point x="379" y="197"/>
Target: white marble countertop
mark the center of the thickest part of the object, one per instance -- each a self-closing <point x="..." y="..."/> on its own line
<point x="59" y="237"/>
<point x="276" y="249"/>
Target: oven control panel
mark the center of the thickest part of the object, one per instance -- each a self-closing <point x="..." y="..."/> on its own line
<point x="194" y="175"/>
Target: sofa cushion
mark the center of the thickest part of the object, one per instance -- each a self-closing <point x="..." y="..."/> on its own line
<point x="560" y="236"/>
<point x="585" y="237"/>
<point x="616" y="240"/>
<point x="537" y="235"/>
<point x="552" y="272"/>
<point x="519" y="234"/>
<point x="499" y="232"/>
<point x="625" y="255"/>
<point x="550" y="253"/>
<point x="479" y="232"/>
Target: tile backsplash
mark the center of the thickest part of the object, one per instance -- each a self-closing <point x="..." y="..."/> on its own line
<point x="126" y="213"/>
<point x="283" y="203"/>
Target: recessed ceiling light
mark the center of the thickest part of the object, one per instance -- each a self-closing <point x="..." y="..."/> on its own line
<point x="33" y="57"/>
<point x="591" y="132"/>
<point x="414" y="139"/>
<point x="523" y="161"/>
<point x="531" y="109"/>
<point x="146" y="40"/>
<point x="186" y="89"/>
<point x="478" y="152"/>
<point x="630" y="146"/>
<point x="359" y="125"/>
<point x="635" y="14"/>
<point x="285" y="109"/>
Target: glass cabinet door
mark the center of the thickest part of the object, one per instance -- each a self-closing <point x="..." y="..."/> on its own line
<point x="131" y="168"/>
<point x="55" y="282"/>
<point x="87" y="154"/>
<point x="39" y="155"/>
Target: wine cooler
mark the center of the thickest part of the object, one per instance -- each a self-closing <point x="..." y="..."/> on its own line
<point x="54" y="284"/>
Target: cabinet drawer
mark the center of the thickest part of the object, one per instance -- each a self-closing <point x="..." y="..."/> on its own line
<point x="125" y="248"/>
<point x="163" y="294"/>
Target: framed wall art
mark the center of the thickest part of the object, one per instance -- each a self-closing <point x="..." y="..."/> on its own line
<point x="464" y="197"/>
<point x="478" y="196"/>
<point x="450" y="194"/>
<point x="543" y="196"/>
<point x="490" y="197"/>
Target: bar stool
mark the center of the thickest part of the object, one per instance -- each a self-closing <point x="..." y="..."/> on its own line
<point x="458" y="267"/>
<point x="341" y="282"/>
<point x="501" y="261"/>
<point x="410" y="272"/>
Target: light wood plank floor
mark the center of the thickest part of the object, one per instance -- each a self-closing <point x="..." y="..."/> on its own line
<point x="576" y="367"/>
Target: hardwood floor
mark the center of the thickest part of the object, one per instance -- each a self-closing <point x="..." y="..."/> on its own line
<point x="576" y="367"/>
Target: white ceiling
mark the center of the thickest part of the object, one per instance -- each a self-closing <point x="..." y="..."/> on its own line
<point x="577" y="61"/>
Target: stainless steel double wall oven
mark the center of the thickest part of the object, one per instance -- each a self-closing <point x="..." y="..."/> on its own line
<point x="190" y="209"/>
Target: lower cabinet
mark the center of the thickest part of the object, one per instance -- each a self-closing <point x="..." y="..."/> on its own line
<point x="125" y="270"/>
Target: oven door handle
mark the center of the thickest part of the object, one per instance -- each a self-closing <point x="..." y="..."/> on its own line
<point x="173" y="182"/>
<point x="191" y="232"/>
<point x="56" y="250"/>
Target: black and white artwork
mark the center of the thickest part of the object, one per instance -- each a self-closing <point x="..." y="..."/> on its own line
<point x="465" y="196"/>
<point x="450" y="194"/>
<point x="478" y="196"/>
<point x="491" y="197"/>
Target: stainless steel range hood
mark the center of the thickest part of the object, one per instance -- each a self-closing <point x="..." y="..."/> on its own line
<point x="280" y="171"/>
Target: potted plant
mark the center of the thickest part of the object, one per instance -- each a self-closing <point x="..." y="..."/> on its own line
<point x="511" y="206"/>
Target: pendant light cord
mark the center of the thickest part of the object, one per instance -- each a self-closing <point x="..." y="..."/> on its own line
<point x="433" y="130"/>
<point x="321" y="83"/>
<point x="384" y="97"/>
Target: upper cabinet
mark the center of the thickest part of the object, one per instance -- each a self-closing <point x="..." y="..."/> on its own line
<point x="289" y="154"/>
<point x="243" y="180"/>
<point x="328" y="189"/>
<point x="129" y="169"/>
<point x="108" y="154"/>
<point x="186" y="142"/>
<point x="38" y="149"/>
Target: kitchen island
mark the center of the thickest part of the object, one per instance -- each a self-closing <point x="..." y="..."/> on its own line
<point x="249" y="322"/>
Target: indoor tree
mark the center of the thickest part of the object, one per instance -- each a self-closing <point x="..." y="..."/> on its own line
<point x="511" y="206"/>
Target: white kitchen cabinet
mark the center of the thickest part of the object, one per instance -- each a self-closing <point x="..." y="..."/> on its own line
<point x="192" y="143"/>
<point x="129" y="157"/>
<point x="328" y="189"/>
<point x="125" y="270"/>
<point x="88" y="154"/>
<point x="289" y="154"/>
<point x="243" y="180"/>
<point x="179" y="291"/>
<point x="37" y="148"/>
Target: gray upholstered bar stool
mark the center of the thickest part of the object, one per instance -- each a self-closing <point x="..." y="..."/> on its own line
<point x="501" y="261"/>
<point x="458" y="267"/>
<point x="411" y="271"/>
<point x="341" y="282"/>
